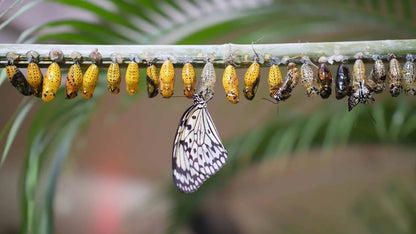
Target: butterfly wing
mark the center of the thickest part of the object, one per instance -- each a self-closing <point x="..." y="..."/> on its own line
<point x="197" y="151"/>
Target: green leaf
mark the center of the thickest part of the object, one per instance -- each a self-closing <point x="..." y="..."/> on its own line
<point x="14" y="129"/>
<point x="12" y="118"/>
<point x="20" y="12"/>
<point x="381" y="126"/>
<point x="30" y="177"/>
<point x="137" y="9"/>
<point x="63" y="144"/>
<point x="87" y="29"/>
<point x="100" y="12"/>
<point x="3" y="76"/>
<point x="310" y="130"/>
<point x="50" y="136"/>
<point x="13" y="5"/>
<point x="398" y="119"/>
<point x="74" y="38"/>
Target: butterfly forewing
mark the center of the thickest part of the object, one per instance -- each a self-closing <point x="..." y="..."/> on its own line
<point x="197" y="151"/>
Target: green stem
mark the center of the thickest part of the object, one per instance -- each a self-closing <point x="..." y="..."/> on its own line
<point x="243" y="54"/>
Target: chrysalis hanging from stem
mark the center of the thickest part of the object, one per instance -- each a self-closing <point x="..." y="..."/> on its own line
<point x="395" y="76"/>
<point x="91" y="75"/>
<point x="208" y="78"/>
<point x="361" y="91"/>
<point x="252" y="78"/>
<point x="152" y="80"/>
<point x="167" y="79"/>
<point x="324" y="78"/>
<point x="342" y="81"/>
<point x="16" y="77"/>
<point x="378" y="74"/>
<point x="307" y="77"/>
<point x="409" y="76"/>
<point x="230" y="83"/>
<point x="52" y="79"/>
<point x="34" y="75"/>
<point x="74" y="77"/>
<point x="132" y="76"/>
<point x="114" y="75"/>
<point x="275" y="79"/>
<point x="188" y="80"/>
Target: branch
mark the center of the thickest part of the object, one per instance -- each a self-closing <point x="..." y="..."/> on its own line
<point x="243" y="54"/>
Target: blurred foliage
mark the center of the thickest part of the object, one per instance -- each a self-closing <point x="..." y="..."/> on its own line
<point x="289" y="134"/>
<point x="392" y="211"/>
<point x="194" y="22"/>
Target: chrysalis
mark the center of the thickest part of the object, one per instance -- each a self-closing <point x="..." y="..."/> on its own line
<point x="207" y="83"/>
<point x="91" y="76"/>
<point x="74" y="77"/>
<point x="361" y="91"/>
<point x="52" y="79"/>
<point x="252" y="79"/>
<point x="230" y="83"/>
<point x="409" y="72"/>
<point x="188" y="80"/>
<point x="34" y="75"/>
<point x="132" y="77"/>
<point x="324" y="80"/>
<point x="167" y="79"/>
<point x="307" y="78"/>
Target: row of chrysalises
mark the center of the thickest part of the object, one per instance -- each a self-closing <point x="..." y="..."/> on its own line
<point x="359" y="87"/>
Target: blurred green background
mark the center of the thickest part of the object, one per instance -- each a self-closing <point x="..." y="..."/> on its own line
<point x="306" y="165"/>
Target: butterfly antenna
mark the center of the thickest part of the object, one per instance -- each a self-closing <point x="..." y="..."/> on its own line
<point x="255" y="52"/>
<point x="270" y="101"/>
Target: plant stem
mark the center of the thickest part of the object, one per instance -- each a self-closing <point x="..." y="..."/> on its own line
<point x="243" y="54"/>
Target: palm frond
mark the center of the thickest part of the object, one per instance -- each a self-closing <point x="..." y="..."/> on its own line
<point x="17" y="119"/>
<point x="13" y="5"/>
<point x="22" y="10"/>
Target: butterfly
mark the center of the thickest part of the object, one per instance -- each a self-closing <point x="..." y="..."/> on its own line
<point x="198" y="151"/>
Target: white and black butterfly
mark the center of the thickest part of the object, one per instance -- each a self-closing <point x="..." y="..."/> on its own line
<point x="198" y="151"/>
